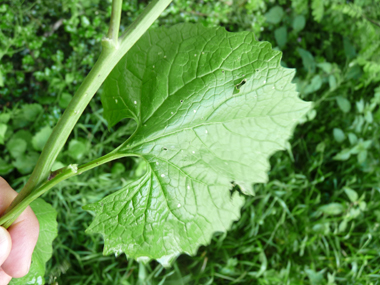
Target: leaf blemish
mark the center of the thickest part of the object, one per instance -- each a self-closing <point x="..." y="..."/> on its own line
<point x="238" y="86"/>
<point x="164" y="148"/>
<point x="181" y="101"/>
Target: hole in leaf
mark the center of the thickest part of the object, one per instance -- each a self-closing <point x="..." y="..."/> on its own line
<point x="239" y="85"/>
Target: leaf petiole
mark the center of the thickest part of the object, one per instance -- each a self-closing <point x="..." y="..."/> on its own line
<point x="60" y="175"/>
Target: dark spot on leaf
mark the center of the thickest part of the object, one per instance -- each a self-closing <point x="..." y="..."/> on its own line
<point x="164" y="148"/>
<point x="238" y="86"/>
<point x="181" y="101"/>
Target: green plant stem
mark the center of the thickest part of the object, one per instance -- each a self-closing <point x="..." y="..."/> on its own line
<point x="67" y="172"/>
<point x="113" y="31"/>
<point x="111" y="53"/>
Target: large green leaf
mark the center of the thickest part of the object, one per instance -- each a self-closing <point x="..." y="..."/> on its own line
<point x="211" y="108"/>
<point x="46" y="216"/>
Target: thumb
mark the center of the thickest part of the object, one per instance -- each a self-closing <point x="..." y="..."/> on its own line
<point x="5" y="244"/>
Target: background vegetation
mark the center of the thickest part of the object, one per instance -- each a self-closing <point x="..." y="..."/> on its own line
<point x="317" y="220"/>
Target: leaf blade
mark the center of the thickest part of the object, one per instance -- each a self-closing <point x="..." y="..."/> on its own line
<point x="211" y="107"/>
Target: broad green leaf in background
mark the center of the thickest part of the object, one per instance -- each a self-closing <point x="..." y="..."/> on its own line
<point x="77" y="149"/>
<point x="349" y="49"/>
<point x="211" y="108"/>
<point x="281" y="36"/>
<point x="31" y="111"/>
<point x="316" y="278"/>
<point x="343" y="155"/>
<point x="4" y="167"/>
<point x="314" y="85"/>
<point x="46" y="216"/>
<point x="307" y="60"/>
<point x="3" y="129"/>
<point x="118" y="168"/>
<point x="332" y="209"/>
<point x="275" y="14"/>
<point x="1" y="79"/>
<point x="325" y="66"/>
<point x="65" y="100"/>
<point x="339" y="135"/>
<point x="26" y="162"/>
<point x="39" y="140"/>
<point x="16" y="147"/>
<point x="332" y="82"/>
<point x="24" y="135"/>
<point x="352" y="194"/>
<point x="343" y="104"/>
<point x="4" y="118"/>
<point x="352" y="138"/>
<point x="360" y="106"/>
<point x="299" y="23"/>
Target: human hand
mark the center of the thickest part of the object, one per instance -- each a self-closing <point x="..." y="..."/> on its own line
<point x="18" y="242"/>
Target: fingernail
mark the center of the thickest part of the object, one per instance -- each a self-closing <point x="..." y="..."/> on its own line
<point x="4" y="238"/>
<point x="5" y="244"/>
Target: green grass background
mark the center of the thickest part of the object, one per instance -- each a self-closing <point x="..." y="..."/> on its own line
<point x="317" y="220"/>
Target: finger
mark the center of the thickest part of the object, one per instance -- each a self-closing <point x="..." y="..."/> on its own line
<point x="7" y="194"/>
<point x="4" y="277"/>
<point x="24" y="234"/>
<point x="5" y="245"/>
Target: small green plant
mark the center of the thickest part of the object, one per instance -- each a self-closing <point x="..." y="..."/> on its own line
<point x="210" y="108"/>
